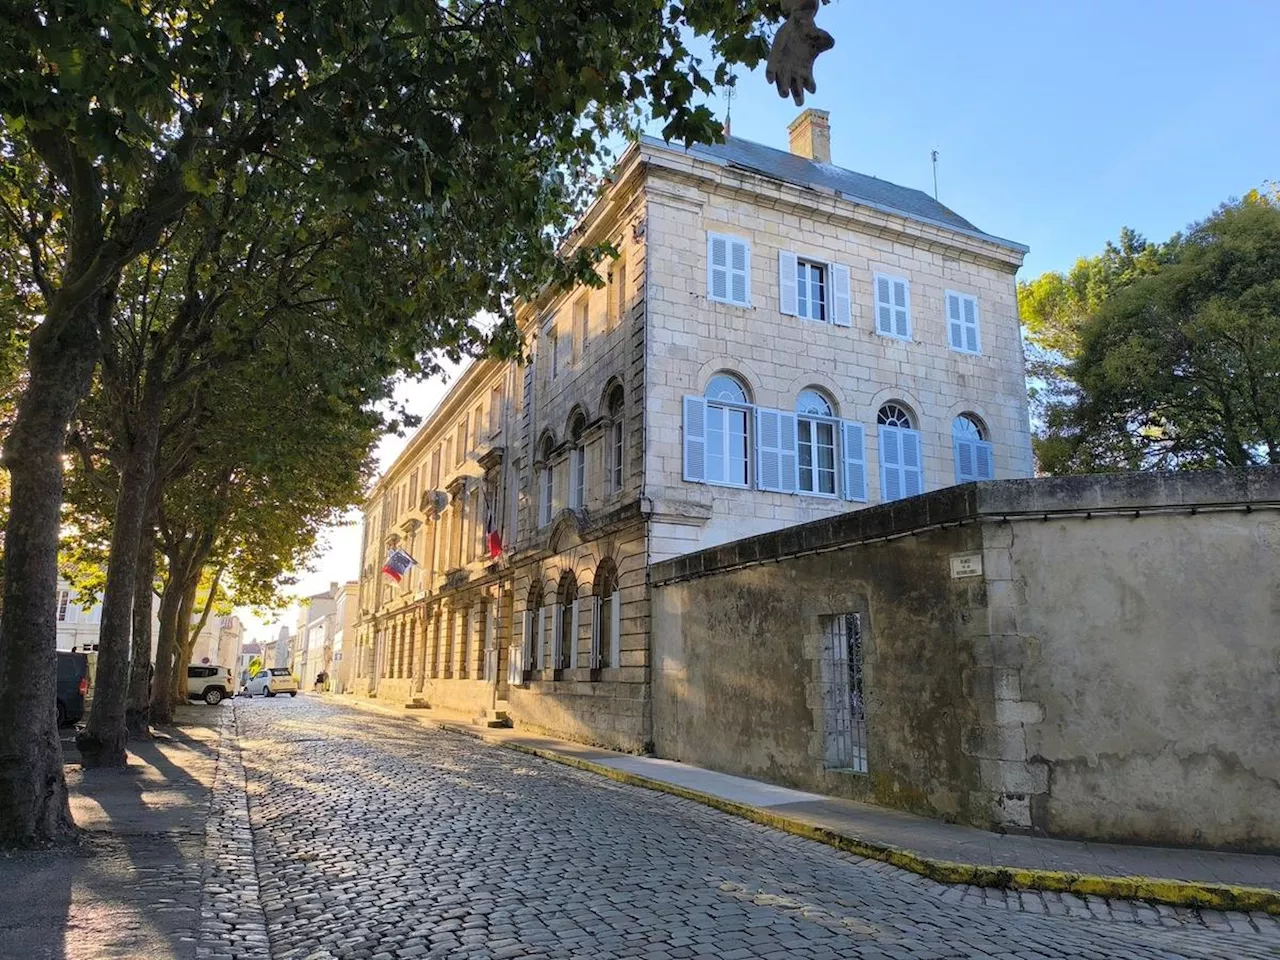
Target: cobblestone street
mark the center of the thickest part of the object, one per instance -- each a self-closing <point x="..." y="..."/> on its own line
<point x="379" y="838"/>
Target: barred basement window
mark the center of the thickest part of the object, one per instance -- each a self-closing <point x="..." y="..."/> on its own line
<point x="844" y="714"/>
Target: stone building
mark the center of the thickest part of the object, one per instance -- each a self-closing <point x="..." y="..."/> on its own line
<point x="778" y="340"/>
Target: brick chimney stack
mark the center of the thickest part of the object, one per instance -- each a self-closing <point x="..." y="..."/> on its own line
<point x="811" y="135"/>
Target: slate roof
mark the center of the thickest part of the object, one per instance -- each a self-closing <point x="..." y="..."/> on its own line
<point x="858" y="187"/>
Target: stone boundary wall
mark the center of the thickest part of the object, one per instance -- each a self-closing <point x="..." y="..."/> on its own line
<point x="1092" y="657"/>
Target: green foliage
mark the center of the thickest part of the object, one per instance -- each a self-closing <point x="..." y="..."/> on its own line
<point x="1165" y="357"/>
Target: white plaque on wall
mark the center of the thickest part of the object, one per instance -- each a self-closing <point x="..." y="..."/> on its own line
<point x="966" y="565"/>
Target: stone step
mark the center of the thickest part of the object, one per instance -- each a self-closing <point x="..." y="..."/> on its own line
<point x="417" y="703"/>
<point x="494" y="718"/>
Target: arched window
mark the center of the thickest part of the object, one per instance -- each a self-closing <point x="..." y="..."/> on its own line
<point x="972" y="449"/>
<point x="717" y="437"/>
<point x="901" y="459"/>
<point x="566" y="626"/>
<point x="606" y="622"/>
<point x="546" y="490"/>
<point x="894" y="414"/>
<point x="614" y="455"/>
<point x="577" y="463"/>
<point x="726" y="388"/>
<point x="815" y="443"/>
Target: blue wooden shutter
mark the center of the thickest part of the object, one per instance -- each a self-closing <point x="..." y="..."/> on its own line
<point x="966" y="460"/>
<point x="695" y="439"/>
<point x="775" y="450"/>
<point x="717" y="267"/>
<point x="787" y="294"/>
<point x="739" y="272"/>
<point x="841" y="300"/>
<point x="984" y="461"/>
<point x="970" y="316"/>
<point x="901" y="309"/>
<point x="890" y="463"/>
<point x="884" y="305"/>
<point x="955" y="325"/>
<point x="912" y="464"/>
<point x="853" y="450"/>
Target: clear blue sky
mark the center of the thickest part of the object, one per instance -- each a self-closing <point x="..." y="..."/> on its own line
<point x="1056" y="122"/>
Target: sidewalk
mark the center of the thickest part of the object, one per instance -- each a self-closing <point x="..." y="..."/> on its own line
<point x="945" y="852"/>
<point x="131" y="887"/>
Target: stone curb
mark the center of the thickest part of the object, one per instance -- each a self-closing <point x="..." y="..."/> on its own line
<point x="1176" y="893"/>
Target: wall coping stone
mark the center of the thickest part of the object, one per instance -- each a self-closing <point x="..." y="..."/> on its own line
<point x="1041" y="498"/>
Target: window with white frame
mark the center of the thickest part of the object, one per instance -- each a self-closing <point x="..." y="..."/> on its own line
<point x="615" y="451"/>
<point x="64" y="605"/>
<point x="545" y="485"/>
<point x="972" y="449"/>
<point x="606" y="619"/>
<point x="813" y="289"/>
<point x="728" y="269"/>
<point x="815" y="444"/>
<point x="581" y="327"/>
<point x="565" y="656"/>
<point x="495" y="409"/>
<point x="577" y="464"/>
<point x="717" y="434"/>
<point x="553" y="347"/>
<point x="962" y="322"/>
<point x="893" y="306"/>
<point x="901" y="463"/>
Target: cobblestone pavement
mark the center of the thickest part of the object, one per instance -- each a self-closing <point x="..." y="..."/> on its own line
<point x="379" y="838"/>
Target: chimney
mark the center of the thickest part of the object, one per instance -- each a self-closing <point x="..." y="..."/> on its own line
<point x="811" y="135"/>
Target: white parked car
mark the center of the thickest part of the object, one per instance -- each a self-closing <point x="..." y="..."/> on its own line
<point x="212" y="684"/>
<point x="270" y="682"/>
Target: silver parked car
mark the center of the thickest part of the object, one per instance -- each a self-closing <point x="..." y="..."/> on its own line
<point x="270" y="682"/>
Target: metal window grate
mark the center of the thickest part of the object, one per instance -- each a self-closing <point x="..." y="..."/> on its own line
<point x="843" y="706"/>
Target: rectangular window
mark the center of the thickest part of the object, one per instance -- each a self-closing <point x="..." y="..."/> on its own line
<point x="893" y="306"/>
<point x="814" y="290"/>
<point x="728" y="269"/>
<point x="554" y="338"/>
<point x="615" y="458"/>
<point x="816" y="456"/>
<point x="962" y="322"/>
<point x="413" y="489"/>
<point x="577" y="477"/>
<point x="460" y="443"/>
<point x="811" y="290"/>
<point x="64" y="602"/>
<point x="545" y="493"/>
<point x="621" y="272"/>
<point x="477" y="421"/>
<point x="448" y="453"/>
<point x="581" y="328"/>
<point x="844" y="712"/>
<point x="435" y="469"/>
<point x="495" y="409"/>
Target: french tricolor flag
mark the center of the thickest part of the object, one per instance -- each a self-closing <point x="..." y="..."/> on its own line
<point x="493" y="537"/>
<point x="397" y="563"/>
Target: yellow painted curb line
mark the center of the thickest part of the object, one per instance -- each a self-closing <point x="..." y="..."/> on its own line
<point x="1176" y="893"/>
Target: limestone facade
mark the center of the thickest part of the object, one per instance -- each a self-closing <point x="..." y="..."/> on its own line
<point x="581" y="458"/>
